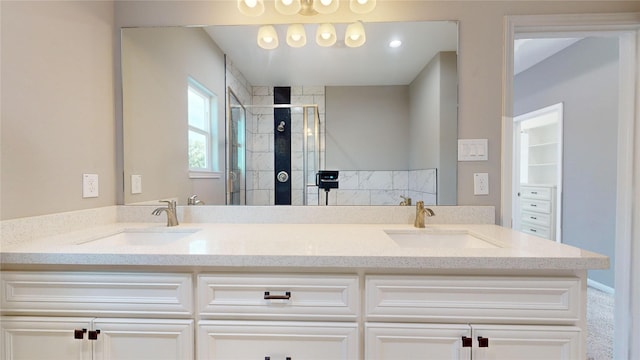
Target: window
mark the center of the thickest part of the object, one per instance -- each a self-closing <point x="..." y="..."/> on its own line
<point x="201" y="113"/>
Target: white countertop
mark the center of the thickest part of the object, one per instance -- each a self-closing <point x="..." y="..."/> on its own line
<point x="335" y="246"/>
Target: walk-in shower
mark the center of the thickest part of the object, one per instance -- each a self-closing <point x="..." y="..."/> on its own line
<point x="251" y="152"/>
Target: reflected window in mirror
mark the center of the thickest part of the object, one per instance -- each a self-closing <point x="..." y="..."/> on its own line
<point x="201" y="114"/>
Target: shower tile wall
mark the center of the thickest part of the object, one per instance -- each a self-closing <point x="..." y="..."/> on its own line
<point x="384" y="187"/>
<point x="260" y="178"/>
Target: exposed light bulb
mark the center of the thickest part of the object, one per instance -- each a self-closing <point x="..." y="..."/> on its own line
<point x="268" y="39"/>
<point x="296" y="37"/>
<point x="362" y="2"/>
<point x="251" y="3"/>
<point x="395" y="43"/>
<point x="355" y="37"/>
<point x="326" y="2"/>
<point x="325" y="35"/>
<point x="287" y="2"/>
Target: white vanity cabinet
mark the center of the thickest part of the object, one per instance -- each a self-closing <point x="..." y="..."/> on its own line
<point x="529" y="317"/>
<point x="91" y="315"/>
<point x="278" y="316"/>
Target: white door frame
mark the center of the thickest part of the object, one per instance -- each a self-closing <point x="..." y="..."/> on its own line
<point x="627" y="246"/>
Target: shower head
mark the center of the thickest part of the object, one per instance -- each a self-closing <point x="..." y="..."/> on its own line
<point x="281" y="126"/>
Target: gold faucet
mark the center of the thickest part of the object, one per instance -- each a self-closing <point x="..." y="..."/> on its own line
<point x="421" y="212"/>
<point x="406" y="201"/>
<point x="172" y="218"/>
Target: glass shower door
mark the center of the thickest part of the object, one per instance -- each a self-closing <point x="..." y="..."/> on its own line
<point x="236" y="152"/>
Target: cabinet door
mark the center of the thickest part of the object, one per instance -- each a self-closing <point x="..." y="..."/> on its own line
<point x="257" y="340"/>
<point x="417" y="341"/>
<point x="526" y="342"/>
<point x="139" y="339"/>
<point x="38" y="338"/>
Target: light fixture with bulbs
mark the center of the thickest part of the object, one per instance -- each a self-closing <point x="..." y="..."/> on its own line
<point x="296" y="37"/>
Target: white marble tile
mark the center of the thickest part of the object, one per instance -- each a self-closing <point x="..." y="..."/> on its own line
<point x="400" y="180"/>
<point x="386" y="197"/>
<point x="265" y="124"/>
<point x="297" y="159"/>
<point x="261" y="142"/>
<point x="313" y="90"/>
<point x="297" y="90"/>
<point x="348" y="180"/>
<point x="263" y="161"/>
<point x="353" y="197"/>
<point x="262" y="91"/>
<point x="265" y="180"/>
<point x="423" y="180"/>
<point x="297" y="181"/>
<point x="378" y="180"/>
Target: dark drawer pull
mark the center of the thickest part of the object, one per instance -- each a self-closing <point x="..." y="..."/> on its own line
<point x="286" y="296"/>
<point x="534" y="192"/>
<point x="533" y="230"/>
<point x="467" y="341"/>
<point x="533" y="217"/>
<point x="79" y="334"/>
<point x="483" y="341"/>
<point x="269" y="358"/>
<point x="533" y="205"/>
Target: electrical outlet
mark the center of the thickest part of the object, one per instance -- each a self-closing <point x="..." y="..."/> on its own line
<point x="481" y="184"/>
<point x="136" y="184"/>
<point x="89" y="185"/>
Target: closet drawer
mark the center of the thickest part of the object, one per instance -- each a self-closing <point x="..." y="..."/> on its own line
<point x="264" y="296"/>
<point x="536" y="193"/>
<point x="540" y="231"/>
<point x="465" y="299"/>
<point x="535" y="219"/>
<point x="96" y="294"/>
<point x="536" y="205"/>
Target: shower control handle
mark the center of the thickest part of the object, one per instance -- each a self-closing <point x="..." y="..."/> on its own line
<point x="282" y="176"/>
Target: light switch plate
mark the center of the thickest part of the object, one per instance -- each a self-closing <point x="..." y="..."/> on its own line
<point x="480" y="184"/>
<point x="136" y="184"/>
<point x="90" y="185"/>
<point x="473" y="149"/>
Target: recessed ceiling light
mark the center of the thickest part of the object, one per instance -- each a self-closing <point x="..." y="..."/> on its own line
<point x="395" y="43"/>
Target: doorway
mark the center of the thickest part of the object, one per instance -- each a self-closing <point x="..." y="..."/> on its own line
<point x="626" y="27"/>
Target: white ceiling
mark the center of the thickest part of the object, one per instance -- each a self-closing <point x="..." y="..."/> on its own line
<point x="375" y="63"/>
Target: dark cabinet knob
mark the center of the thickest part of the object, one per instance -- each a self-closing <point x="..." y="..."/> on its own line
<point x="467" y="341"/>
<point x="93" y="335"/>
<point x="483" y="341"/>
<point x="79" y="333"/>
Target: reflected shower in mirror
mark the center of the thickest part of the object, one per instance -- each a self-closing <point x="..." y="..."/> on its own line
<point x="385" y="117"/>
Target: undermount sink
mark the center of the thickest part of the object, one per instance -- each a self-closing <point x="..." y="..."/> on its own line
<point x="438" y="238"/>
<point x="141" y="237"/>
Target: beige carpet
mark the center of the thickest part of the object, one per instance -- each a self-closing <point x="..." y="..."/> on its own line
<point x="599" y="325"/>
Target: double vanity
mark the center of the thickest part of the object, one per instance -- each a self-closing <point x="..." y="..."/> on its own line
<point x="357" y="284"/>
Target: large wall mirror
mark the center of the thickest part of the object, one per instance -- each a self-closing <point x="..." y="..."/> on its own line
<point x="208" y="112"/>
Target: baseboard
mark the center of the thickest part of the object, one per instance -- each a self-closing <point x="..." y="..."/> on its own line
<point x="599" y="286"/>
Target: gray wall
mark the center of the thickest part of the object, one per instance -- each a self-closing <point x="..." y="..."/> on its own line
<point x="584" y="77"/>
<point x="67" y="49"/>
<point x="367" y="127"/>
<point x="156" y="69"/>
<point x="57" y="100"/>
<point x="433" y="132"/>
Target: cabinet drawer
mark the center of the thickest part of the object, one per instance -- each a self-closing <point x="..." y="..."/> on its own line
<point x="252" y="340"/>
<point x="467" y="299"/>
<point x="96" y="294"/>
<point x="534" y="192"/>
<point x="536" y="218"/>
<point x="536" y="206"/>
<point x="536" y="230"/>
<point x="261" y="296"/>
